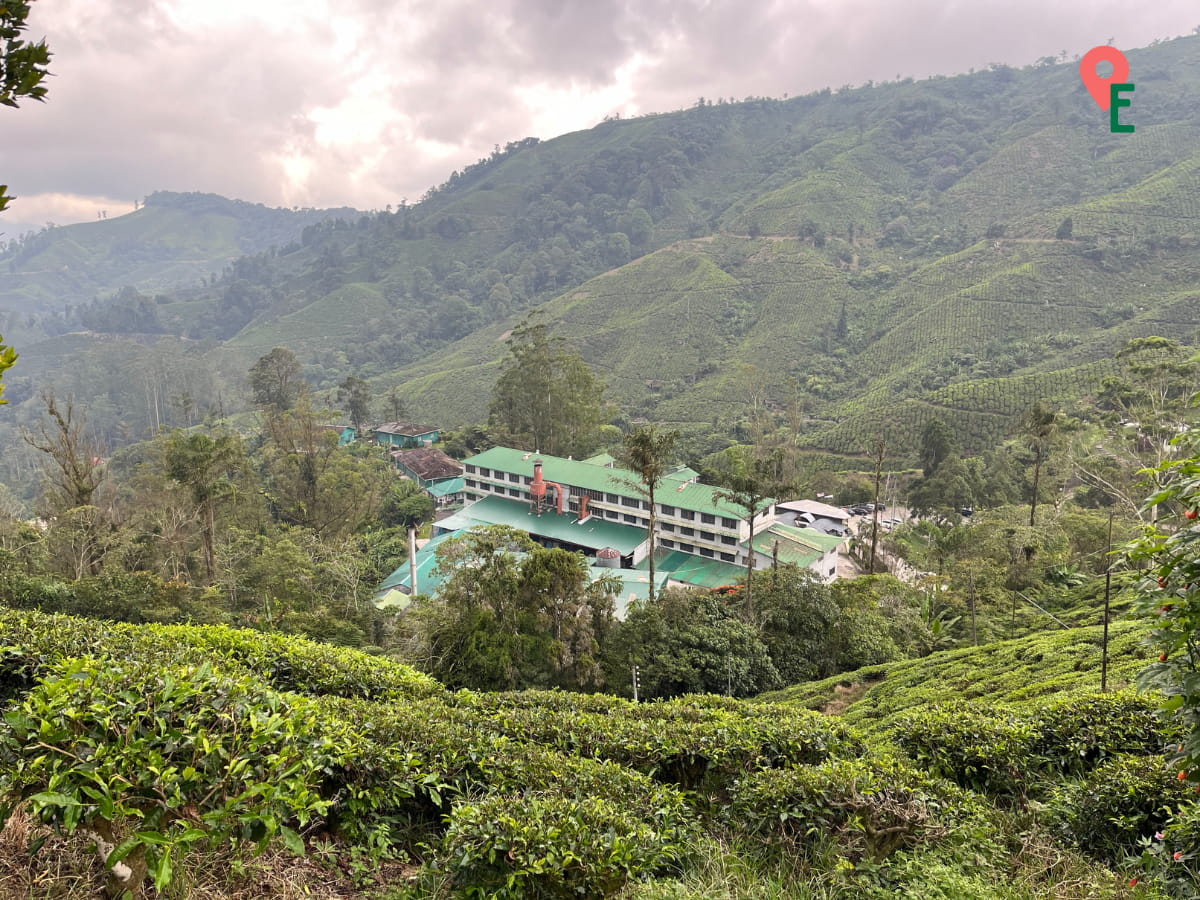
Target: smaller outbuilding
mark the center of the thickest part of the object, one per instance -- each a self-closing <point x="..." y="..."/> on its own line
<point x="439" y="475"/>
<point x="405" y="434"/>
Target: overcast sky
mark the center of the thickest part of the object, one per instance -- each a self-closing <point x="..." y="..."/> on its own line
<point x="364" y="102"/>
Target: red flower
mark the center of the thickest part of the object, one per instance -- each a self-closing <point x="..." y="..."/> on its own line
<point x="1132" y="882"/>
<point x="1182" y="775"/>
<point x="1178" y="855"/>
<point x="1162" y="657"/>
<point x="1162" y="582"/>
<point x="1191" y="514"/>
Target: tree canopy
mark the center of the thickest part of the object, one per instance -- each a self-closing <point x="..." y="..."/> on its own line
<point x="546" y="397"/>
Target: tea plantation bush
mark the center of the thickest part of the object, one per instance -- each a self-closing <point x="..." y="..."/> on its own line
<point x="872" y="806"/>
<point x="31" y="641"/>
<point x="1005" y="752"/>
<point x="1125" y="799"/>
<point x="531" y="846"/>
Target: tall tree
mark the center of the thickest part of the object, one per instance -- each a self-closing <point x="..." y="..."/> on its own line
<point x="73" y="472"/>
<point x="749" y="485"/>
<point x="276" y="380"/>
<point x="648" y="453"/>
<point x="204" y="465"/>
<point x="1039" y="428"/>
<point x="546" y="397"/>
<point x="937" y="443"/>
<point x="22" y="64"/>
<point x="395" y="403"/>
<point x="356" y="394"/>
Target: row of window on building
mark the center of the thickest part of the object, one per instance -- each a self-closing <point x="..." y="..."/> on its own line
<point x="598" y="496"/>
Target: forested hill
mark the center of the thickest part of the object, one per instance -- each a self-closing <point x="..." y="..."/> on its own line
<point x="869" y="256"/>
<point x="174" y="240"/>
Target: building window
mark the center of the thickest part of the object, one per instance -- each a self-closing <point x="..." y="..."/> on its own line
<point x="611" y="498"/>
<point x="470" y="482"/>
<point x="525" y="479"/>
<point x="666" y="543"/>
<point x="470" y="469"/>
<point x="630" y="501"/>
<point x="704" y="551"/>
<point x="486" y="473"/>
<point x="708" y="519"/>
<point x="515" y="479"/>
<point x="728" y="523"/>
<point x="728" y="539"/>
<point x="687" y="548"/>
<point x="728" y="557"/>
<point x="666" y="526"/>
<point x="690" y="532"/>
<point x="687" y="514"/>
<point x="666" y="510"/>
<point x="610" y="513"/>
<point x="513" y="492"/>
<point x="630" y="519"/>
<point x="708" y="535"/>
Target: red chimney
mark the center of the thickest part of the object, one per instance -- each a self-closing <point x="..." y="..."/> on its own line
<point x="537" y="489"/>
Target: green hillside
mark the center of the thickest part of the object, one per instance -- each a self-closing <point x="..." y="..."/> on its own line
<point x="956" y="247"/>
<point x="1007" y="673"/>
<point x="174" y="240"/>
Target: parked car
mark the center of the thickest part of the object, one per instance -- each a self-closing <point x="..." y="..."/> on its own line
<point x="858" y="510"/>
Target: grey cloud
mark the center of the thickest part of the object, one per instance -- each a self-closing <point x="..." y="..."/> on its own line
<point x="140" y="102"/>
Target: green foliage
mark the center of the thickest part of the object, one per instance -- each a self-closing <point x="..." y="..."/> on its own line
<point x="503" y="621"/>
<point x="1017" y="672"/>
<point x="551" y="847"/>
<point x="8" y="357"/>
<point x="284" y="662"/>
<point x="276" y="381"/>
<point x="22" y="65"/>
<point x="154" y="761"/>
<point x="872" y="806"/>
<point x="1170" y="856"/>
<point x="546" y="397"/>
<point x="1170" y="592"/>
<point x="688" y="642"/>
<point x="406" y="505"/>
<point x="1122" y="801"/>
<point x="1004" y="752"/>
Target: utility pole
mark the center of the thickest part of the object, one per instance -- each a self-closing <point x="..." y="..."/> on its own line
<point x="412" y="559"/>
<point x="635" y="684"/>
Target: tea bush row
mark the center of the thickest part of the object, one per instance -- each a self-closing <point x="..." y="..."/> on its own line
<point x="31" y="641"/>
<point x="698" y="747"/>
<point x="1003" y="752"/>
<point x="1124" y="799"/>
<point x="871" y="806"/>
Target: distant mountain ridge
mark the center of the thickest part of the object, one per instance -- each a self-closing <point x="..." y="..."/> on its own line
<point x="174" y="240"/>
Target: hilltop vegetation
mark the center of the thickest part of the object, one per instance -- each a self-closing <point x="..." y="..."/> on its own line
<point x="172" y="241"/>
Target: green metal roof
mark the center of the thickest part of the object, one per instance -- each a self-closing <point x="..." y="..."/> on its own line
<point x="601" y="459"/>
<point x="683" y="473"/>
<point x="594" y="534"/>
<point x="817" y="540"/>
<point x="581" y="473"/>
<point x="800" y="546"/>
<point x="695" y="570"/>
<point x="448" y="486"/>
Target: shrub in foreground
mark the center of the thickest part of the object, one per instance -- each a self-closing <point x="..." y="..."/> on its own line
<point x="537" y="846"/>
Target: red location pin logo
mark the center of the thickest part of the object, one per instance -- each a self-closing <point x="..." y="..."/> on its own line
<point x="1097" y="85"/>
